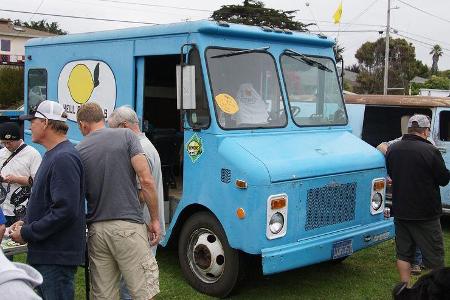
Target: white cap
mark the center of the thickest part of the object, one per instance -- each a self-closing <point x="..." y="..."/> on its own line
<point x="47" y="109"/>
<point x="420" y="121"/>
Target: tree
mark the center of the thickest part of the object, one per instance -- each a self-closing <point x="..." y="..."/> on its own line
<point x="436" y="52"/>
<point x="402" y="66"/>
<point x="42" y="25"/>
<point x="253" y="12"/>
<point x="11" y="87"/>
<point x="445" y="73"/>
<point x="437" y="82"/>
<point x="353" y="68"/>
<point x="338" y="51"/>
<point x="422" y="69"/>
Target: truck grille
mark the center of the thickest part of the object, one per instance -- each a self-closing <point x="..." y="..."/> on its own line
<point x="330" y="205"/>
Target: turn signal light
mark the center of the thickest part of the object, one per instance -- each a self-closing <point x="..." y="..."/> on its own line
<point x="241" y="184"/>
<point x="278" y="203"/>
<point x="240" y="213"/>
<point x="378" y="185"/>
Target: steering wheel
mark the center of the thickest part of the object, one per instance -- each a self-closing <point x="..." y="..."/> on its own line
<point x="295" y="110"/>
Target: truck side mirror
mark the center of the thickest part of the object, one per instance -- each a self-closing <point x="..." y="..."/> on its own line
<point x="186" y="82"/>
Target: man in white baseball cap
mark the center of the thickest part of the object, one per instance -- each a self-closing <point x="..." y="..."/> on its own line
<point x="55" y="223"/>
<point x="47" y="109"/>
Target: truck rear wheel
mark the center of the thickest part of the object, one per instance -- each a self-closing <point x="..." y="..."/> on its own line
<point x="208" y="262"/>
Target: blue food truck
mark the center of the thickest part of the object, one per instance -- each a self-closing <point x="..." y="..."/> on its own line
<point x="257" y="155"/>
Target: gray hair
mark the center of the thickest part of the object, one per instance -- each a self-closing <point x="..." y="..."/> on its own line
<point x="122" y="114"/>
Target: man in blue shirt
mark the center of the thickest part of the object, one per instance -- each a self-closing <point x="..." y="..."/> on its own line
<point x="55" y="224"/>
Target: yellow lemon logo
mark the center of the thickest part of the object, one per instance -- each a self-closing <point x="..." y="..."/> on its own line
<point x="81" y="83"/>
<point x="227" y="104"/>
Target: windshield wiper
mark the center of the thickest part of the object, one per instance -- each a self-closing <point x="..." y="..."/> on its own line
<point x="241" y="52"/>
<point x="306" y="59"/>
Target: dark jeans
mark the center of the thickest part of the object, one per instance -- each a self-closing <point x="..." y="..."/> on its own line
<point x="58" y="282"/>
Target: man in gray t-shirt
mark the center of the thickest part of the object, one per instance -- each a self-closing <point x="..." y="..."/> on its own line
<point x="110" y="180"/>
<point x="118" y="238"/>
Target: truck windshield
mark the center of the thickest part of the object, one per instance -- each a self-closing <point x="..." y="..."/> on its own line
<point x="313" y="90"/>
<point x="246" y="88"/>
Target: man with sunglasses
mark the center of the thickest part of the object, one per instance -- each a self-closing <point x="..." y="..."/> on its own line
<point x="18" y="166"/>
<point x="55" y="224"/>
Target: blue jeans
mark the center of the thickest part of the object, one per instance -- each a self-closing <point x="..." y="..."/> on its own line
<point x="124" y="293"/>
<point x="58" y="282"/>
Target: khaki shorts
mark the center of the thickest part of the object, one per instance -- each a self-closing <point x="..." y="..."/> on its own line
<point x="121" y="247"/>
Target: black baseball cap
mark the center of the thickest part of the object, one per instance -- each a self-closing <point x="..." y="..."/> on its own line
<point x="9" y="131"/>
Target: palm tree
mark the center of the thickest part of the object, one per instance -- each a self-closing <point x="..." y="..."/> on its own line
<point x="437" y="52"/>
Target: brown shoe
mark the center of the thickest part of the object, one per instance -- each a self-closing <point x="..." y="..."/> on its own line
<point x="416" y="270"/>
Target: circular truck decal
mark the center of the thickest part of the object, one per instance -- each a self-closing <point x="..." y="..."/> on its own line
<point x="86" y="81"/>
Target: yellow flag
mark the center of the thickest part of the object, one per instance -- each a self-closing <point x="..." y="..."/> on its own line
<point x="337" y="15"/>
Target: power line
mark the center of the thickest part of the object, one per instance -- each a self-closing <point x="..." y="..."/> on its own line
<point x="312" y="14"/>
<point x="78" y="17"/>
<point x="419" y="41"/>
<point x="421" y="36"/>
<point x="343" y="23"/>
<point x="425" y="12"/>
<point x="157" y="5"/>
<point x="360" y="14"/>
<point x="360" y="31"/>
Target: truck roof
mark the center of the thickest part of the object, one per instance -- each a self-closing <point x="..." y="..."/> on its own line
<point x="398" y="100"/>
<point x="204" y="26"/>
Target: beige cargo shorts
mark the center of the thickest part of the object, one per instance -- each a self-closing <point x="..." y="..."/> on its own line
<point x="121" y="247"/>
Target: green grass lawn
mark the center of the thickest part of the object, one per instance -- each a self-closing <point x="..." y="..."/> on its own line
<point x="368" y="274"/>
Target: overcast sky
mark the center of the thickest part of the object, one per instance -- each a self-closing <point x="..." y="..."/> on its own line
<point x="423" y="22"/>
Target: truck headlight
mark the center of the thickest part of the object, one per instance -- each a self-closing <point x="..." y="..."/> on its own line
<point x="377" y="201"/>
<point x="276" y="223"/>
<point x="276" y="216"/>
<point x="377" y="195"/>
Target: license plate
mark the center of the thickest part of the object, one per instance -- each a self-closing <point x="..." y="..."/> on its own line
<point x="342" y="249"/>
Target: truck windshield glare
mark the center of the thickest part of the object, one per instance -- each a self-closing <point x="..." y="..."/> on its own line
<point x="313" y="90"/>
<point x="246" y="89"/>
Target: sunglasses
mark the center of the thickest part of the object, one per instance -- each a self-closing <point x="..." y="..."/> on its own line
<point x="33" y="111"/>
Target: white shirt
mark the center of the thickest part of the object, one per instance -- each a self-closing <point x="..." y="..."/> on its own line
<point x="25" y="163"/>
<point x="155" y="167"/>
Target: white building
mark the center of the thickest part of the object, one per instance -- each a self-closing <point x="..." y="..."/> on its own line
<point x="12" y="41"/>
<point x="434" y="92"/>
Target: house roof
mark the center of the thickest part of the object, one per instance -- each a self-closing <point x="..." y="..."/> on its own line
<point x="9" y="29"/>
<point x="418" y="79"/>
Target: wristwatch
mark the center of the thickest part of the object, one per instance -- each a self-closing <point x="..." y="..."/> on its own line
<point x="30" y="181"/>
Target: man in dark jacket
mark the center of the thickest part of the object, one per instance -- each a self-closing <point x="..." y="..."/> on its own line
<point x="417" y="170"/>
<point x="55" y="224"/>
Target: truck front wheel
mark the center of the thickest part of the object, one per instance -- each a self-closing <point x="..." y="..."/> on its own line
<point x="208" y="262"/>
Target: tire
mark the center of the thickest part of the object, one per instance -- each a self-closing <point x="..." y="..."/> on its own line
<point x="202" y="238"/>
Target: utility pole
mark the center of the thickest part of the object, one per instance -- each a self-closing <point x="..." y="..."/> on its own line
<point x="386" y="52"/>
